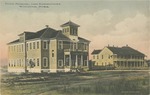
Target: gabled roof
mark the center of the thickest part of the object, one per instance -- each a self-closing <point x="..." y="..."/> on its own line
<point x="83" y="40"/>
<point x="96" y="51"/>
<point x="48" y="33"/>
<point x="126" y="50"/>
<point x="15" y="41"/>
<point x="60" y="36"/>
<point x="26" y="32"/>
<point x="44" y="33"/>
<point x="70" y="23"/>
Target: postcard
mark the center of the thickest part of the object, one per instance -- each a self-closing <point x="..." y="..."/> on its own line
<point x="74" y="47"/>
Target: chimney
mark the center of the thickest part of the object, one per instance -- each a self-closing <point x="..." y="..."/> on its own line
<point x="47" y="26"/>
<point x="126" y="45"/>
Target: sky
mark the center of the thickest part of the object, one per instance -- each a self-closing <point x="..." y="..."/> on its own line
<point x="103" y="22"/>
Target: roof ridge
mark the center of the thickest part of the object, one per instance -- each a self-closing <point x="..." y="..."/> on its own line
<point x="58" y="32"/>
<point x="134" y="50"/>
<point x="43" y="33"/>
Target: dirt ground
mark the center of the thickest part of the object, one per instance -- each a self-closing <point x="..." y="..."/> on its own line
<point x="87" y="83"/>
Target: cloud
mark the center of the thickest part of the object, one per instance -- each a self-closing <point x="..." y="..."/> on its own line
<point x="96" y="23"/>
<point x="132" y="31"/>
<point x="137" y="24"/>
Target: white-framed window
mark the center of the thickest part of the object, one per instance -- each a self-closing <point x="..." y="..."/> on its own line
<point x="38" y="62"/>
<point x="102" y="56"/>
<point x="20" y="62"/>
<point x="45" y="45"/>
<point x="75" y="46"/>
<point x="30" y="45"/>
<point x="52" y="53"/>
<point x="14" y="63"/>
<point x="60" y="63"/>
<point x="14" y="48"/>
<point x="34" y="62"/>
<point x="27" y="46"/>
<point x="93" y="56"/>
<point x="21" y="47"/>
<point x="85" y="46"/>
<point x="45" y="61"/>
<point x="60" y="44"/>
<point x="33" y="45"/>
<point x="17" y="48"/>
<point x="37" y="44"/>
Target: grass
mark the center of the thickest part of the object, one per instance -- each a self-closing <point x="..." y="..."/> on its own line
<point x="90" y="83"/>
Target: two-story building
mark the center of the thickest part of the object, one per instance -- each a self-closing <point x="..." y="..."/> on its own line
<point x="49" y="50"/>
<point x="118" y="57"/>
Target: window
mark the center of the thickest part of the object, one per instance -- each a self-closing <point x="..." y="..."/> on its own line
<point x="63" y="30"/>
<point x="30" y="45"/>
<point x="22" y="48"/>
<point x="85" y="46"/>
<point x="75" y="46"/>
<point x="38" y="62"/>
<point x="34" y="62"/>
<point x="14" y="48"/>
<point x="60" y="63"/>
<point x="14" y="63"/>
<point x="52" y="53"/>
<point x="93" y="56"/>
<point x="27" y="47"/>
<point x="85" y="63"/>
<point x="45" y="45"/>
<point x="109" y="56"/>
<point x="45" y="61"/>
<point x="33" y="45"/>
<point x="75" y="31"/>
<point x="20" y="62"/>
<point x="37" y="45"/>
<point x="19" y="48"/>
<point x="97" y="57"/>
<point x="9" y="48"/>
<point x="60" y="44"/>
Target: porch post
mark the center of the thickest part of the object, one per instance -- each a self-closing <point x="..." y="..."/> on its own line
<point x="81" y="60"/>
<point x="70" y="60"/>
<point x="76" y="61"/>
<point x="64" y="61"/>
<point x="87" y="61"/>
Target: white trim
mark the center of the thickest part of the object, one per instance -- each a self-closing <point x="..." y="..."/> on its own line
<point x="17" y="70"/>
<point x="60" y="64"/>
<point x="60" y="43"/>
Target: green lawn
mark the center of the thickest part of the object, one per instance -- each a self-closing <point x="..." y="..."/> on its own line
<point x="90" y="83"/>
